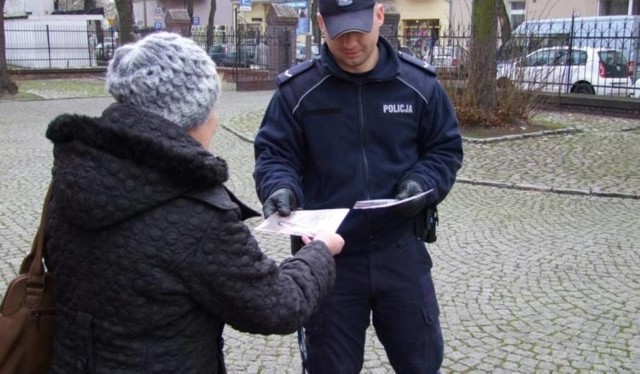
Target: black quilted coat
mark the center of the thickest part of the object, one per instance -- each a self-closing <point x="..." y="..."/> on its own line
<point x="150" y="254"/>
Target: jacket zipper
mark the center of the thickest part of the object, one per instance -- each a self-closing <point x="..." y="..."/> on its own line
<point x="364" y="142"/>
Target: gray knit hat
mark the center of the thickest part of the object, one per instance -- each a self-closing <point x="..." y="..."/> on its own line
<point x="168" y="75"/>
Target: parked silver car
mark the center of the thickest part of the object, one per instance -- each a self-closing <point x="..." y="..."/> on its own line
<point x="448" y="60"/>
<point x="301" y="52"/>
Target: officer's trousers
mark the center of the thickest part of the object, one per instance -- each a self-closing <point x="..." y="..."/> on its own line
<point x="392" y="288"/>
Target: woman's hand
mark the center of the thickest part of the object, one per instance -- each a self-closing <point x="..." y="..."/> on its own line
<point x="332" y="240"/>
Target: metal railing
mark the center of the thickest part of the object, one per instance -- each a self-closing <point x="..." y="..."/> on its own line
<point x="40" y="46"/>
<point x="47" y="46"/>
<point x="609" y="73"/>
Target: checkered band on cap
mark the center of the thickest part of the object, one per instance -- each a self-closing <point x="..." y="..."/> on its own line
<point x="168" y="75"/>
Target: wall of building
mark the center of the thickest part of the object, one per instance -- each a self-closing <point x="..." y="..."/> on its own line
<point x="155" y="11"/>
<point x="560" y="9"/>
<point x="423" y="9"/>
<point x="22" y="7"/>
<point x="256" y="16"/>
<point x="461" y="9"/>
<point x="460" y="13"/>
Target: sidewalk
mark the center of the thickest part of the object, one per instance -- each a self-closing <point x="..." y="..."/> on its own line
<point x="529" y="280"/>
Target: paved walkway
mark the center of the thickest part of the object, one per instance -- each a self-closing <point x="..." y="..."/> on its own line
<point x="537" y="263"/>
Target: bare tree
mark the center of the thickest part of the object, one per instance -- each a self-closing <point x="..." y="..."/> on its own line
<point x="505" y="23"/>
<point x="210" y="25"/>
<point x="315" y="29"/>
<point x="482" y="75"/>
<point x="6" y="84"/>
<point x="190" y="11"/>
<point x="125" y="20"/>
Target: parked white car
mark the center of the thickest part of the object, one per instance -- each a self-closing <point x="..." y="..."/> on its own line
<point x="583" y="70"/>
<point x="636" y="89"/>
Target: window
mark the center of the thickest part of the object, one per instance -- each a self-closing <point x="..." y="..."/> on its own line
<point x="516" y="12"/>
<point x="612" y="58"/>
<point x="421" y="35"/>
<point x="577" y="58"/>
<point x="517" y="5"/>
<point x="617" y="7"/>
<point x="516" y="20"/>
<point x="541" y="58"/>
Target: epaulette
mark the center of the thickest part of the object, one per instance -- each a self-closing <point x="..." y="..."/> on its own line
<point x="418" y="62"/>
<point x="295" y="70"/>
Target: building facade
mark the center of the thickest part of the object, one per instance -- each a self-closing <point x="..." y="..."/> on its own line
<point x="17" y="8"/>
<point x="151" y="13"/>
<point x="522" y="10"/>
<point x="422" y="20"/>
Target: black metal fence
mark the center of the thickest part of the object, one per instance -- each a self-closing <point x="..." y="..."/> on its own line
<point x="594" y="56"/>
<point x="572" y="62"/>
<point x="252" y="59"/>
<point x="249" y="56"/>
<point x="37" y="46"/>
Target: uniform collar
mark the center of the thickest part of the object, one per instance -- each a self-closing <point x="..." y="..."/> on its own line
<point x="386" y="68"/>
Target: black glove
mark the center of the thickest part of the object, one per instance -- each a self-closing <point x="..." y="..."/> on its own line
<point x="407" y="189"/>
<point x="282" y="201"/>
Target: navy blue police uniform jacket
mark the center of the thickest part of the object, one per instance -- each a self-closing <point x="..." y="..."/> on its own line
<point x="335" y="138"/>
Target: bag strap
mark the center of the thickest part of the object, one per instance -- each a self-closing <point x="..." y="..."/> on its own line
<point x="37" y="247"/>
<point x="32" y="263"/>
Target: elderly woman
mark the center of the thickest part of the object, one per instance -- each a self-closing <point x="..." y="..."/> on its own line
<point x="148" y="248"/>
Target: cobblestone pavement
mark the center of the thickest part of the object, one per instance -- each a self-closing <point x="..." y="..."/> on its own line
<point x="537" y="265"/>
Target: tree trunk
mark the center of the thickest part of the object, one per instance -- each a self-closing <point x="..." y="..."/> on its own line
<point x="482" y="77"/>
<point x="210" y="25"/>
<point x="505" y="23"/>
<point x="190" y="11"/>
<point x="6" y="84"/>
<point x="315" y="29"/>
<point x="125" y="21"/>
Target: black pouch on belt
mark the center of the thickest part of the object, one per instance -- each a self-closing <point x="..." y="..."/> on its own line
<point x="426" y="224"/>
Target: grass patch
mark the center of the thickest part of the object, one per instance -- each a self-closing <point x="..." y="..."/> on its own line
<point x="58" y="89"/>
<point x="548" y="123"/>
<point x="19" y="96"/>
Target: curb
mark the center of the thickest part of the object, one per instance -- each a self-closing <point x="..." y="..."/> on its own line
<point x="514" y="186"/>
<point x="239" y="135"/>
<point x="521" y="136"/>
<point x="548" y="189"/>
<point x="466" y="139"/>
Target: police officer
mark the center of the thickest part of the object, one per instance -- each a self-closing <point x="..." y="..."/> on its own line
<point x="364" y="122"/>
